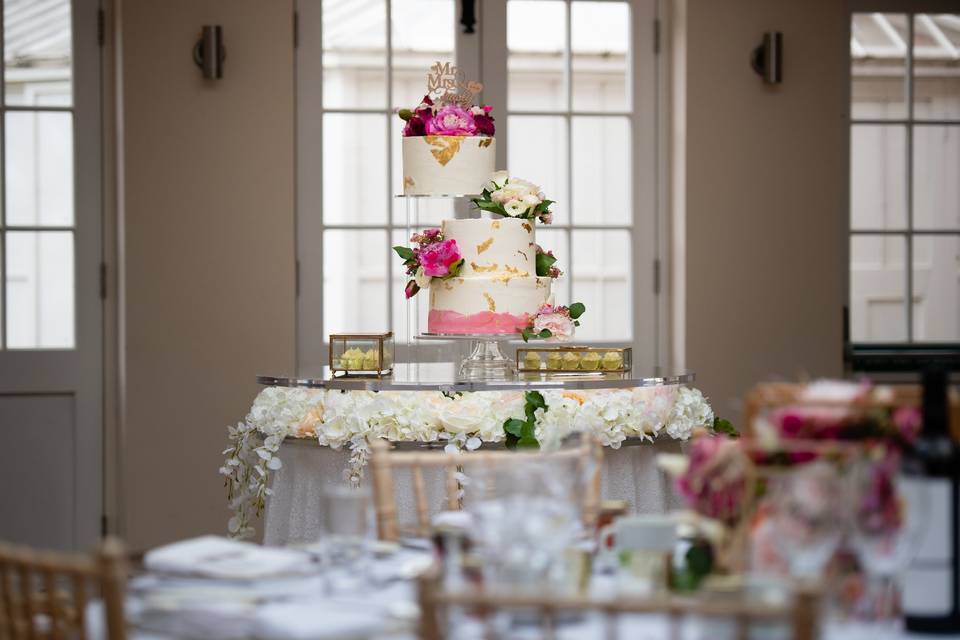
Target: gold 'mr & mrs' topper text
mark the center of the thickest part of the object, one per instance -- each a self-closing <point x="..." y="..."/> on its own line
<point x="447" y="84"/>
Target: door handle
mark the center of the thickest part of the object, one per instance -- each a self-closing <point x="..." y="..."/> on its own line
<point x="209" y="52"/>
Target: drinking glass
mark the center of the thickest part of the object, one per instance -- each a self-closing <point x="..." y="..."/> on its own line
<point x="809" y="503"/>
<point x="345" y="535"/>
<point x="886" y="524"/>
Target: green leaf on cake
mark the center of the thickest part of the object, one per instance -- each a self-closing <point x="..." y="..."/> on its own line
<point x="544" y="262"/>
<point x="545" y="333"/>
<point x="404" y="252"/>
<point x="577" y="309"/>
<point x="454" y="269"/>
<point x="405" y="114"/>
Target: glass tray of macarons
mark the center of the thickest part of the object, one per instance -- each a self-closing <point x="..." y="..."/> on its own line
<point x="574" y="361"/>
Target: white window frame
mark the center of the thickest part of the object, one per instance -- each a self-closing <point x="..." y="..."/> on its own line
<point x="911" y="9"/>
<point x="483" y="55"/>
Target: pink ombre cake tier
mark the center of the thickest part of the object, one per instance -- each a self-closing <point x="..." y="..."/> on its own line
<point x="483" y="322"/>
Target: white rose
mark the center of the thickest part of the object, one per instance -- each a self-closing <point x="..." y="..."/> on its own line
<point x="524" y="186"/>
<point x="466" y="414"/>
<point x="422" y="279"/>
<point x="530" y="200"/>
<point x="497" y="180"/>
<point x="515" y="207"/>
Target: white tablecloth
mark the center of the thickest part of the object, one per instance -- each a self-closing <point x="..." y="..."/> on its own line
<point x="293" y="511"/>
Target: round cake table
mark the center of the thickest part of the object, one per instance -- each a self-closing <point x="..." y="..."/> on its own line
<point x="292" y="514"/>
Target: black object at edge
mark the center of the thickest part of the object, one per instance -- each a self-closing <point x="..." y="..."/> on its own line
<point x="468" y="15"/>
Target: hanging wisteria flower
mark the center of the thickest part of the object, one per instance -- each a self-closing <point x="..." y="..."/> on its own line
<point x="432" y="257"/>
<point x="514" y="198"/>
<point x="430" y="118"/>
<point x="553" y="323"/>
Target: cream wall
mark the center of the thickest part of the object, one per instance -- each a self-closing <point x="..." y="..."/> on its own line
<point x="761" y="190"/>
<point x="205" y="247"/>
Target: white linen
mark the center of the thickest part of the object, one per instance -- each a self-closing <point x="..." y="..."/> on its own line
<point x="216" y="557"/>
<point x="293" y="511"/>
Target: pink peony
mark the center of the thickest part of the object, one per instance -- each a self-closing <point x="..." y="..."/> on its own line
<point x="715" y="482"/>
<point x="560" y="326"/>
<point x="437" y="258"/>
<point x="452" y="120"/>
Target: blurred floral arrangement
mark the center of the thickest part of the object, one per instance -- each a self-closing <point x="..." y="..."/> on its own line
<point x="725" y="479"/>
<point x="460" y="421"/>
<point x="554" y="323"/>
<point x="432" y="257"/>
<point x="514" y="198"/>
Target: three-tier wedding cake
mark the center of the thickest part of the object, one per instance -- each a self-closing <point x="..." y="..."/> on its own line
<point x="485" y="275"/>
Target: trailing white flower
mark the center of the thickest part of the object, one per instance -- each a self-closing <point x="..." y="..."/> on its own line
<point x="690" y="410"/>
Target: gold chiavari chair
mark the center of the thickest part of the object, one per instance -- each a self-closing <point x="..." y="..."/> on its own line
<point x="385" y="461"/>
<point x="800" y="613"/>
<point x="45" y="594"/>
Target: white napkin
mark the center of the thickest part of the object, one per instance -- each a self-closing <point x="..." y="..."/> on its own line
<point x="216" y="557"/>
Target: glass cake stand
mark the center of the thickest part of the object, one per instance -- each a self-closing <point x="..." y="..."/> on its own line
<point x="486" y="361"/>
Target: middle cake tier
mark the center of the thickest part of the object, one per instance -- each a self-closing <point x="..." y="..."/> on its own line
<point x="498" y="290"/>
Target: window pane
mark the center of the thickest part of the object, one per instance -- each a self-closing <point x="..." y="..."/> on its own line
<point x="601" y="170"/>
<point x="538" y="152"/>
<point x="39" y="165"/>
<point x="37" y="52"/>
<point x="936" y="288"/>
<point x="354" y="168"/>
<point x="354" y="53"/>
<point x="878" y="47"/>
<point x="39" y="273"/>
<point x="422" y="34"/>
<point x="877" y="288"/>
<point x="602" y="281"/>
<point x="355" y="281"/>
<point x="600" y="35"/>
<point x="536" y="41"/>
<point x="936" y="177"/>
<point x="878" y="198"/>
<point x="936" y="67"/>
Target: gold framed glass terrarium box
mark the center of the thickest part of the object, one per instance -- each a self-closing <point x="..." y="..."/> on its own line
<point x="579" y="360"/>
<point x="361" y="354"/>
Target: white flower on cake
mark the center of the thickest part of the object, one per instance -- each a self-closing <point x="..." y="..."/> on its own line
<point x="422" y="279"/>
<point x="514" y="198"/>
<point x="497" y="180"/>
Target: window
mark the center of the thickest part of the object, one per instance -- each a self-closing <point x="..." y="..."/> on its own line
<point x="37" y="214"/>
<point x="905" y="178"/>
<point x="569" y="123"/>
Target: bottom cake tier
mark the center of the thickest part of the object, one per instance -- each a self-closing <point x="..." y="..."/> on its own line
<point x="491" y="305"/>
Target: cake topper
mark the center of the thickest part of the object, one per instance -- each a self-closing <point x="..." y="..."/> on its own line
<point x="447" y="84"/>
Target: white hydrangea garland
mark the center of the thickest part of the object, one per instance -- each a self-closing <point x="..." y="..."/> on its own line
<point x="464" y="421"/>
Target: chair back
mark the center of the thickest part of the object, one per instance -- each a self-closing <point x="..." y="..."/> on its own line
<point x="386" y="460"/>
<point x="45" y="594"/>
<point x="800" y="613"/>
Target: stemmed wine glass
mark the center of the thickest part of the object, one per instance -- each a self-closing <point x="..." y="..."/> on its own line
<point x="808" y="502"/>
<point x="346" y="529"/>
<point x="885" y="526"/>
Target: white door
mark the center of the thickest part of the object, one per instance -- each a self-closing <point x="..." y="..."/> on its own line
<point x="51" y="321"/>
<point x="574" y="99"/>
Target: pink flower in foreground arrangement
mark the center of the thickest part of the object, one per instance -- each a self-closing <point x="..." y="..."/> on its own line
<point x="452" y="120"/>
<point x="437" y="258"/>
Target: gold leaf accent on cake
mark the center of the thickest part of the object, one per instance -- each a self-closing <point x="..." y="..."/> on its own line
<point x="445" y="147"/>
<point x="448" y="285"/>
<point x="483" y="268"/>
<point x="495" y="224"/>
<point x="512" y="272"/>
<point x="408" y="182"/>
<point x="491" y="303"/>
<point x="540" y="284"/>
<point x="485" y="142"/>
<point x="527" y="227"/>
<point x="523" y="255"/>
<point x="483" y="246"/>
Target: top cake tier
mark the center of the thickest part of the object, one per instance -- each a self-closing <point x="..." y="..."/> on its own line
<point x="435" y="165"/>
<point x="502" y="247"/>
